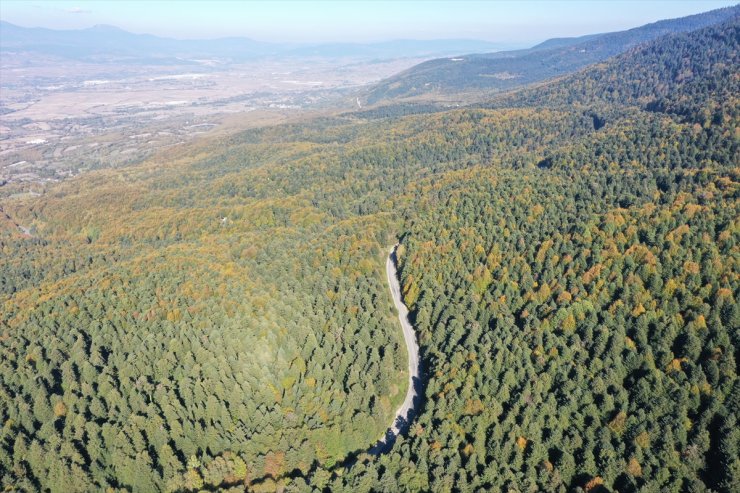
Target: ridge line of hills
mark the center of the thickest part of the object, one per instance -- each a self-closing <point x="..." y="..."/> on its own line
<point x="480" y="74"/>
<point x="103" y="42"/>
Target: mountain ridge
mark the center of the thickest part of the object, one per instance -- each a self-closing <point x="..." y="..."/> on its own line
<point x="500" y="71"/>
<point x="112" y="41"/>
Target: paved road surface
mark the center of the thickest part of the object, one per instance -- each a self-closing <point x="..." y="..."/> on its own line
<point x="408" y="409"/>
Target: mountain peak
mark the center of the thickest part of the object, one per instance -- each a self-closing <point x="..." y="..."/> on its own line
<point x="105" y="28"/>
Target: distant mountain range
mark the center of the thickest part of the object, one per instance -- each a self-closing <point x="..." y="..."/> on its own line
<point x="108" y="43"/>
<point x="510" y="69"/>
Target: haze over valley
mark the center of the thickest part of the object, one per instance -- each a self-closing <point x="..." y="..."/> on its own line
<point x="79" y="100"/>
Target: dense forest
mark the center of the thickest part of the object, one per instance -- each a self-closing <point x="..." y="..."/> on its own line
<point x="218" y="319"/>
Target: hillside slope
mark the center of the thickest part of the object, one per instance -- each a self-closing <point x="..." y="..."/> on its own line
<point x="692" y="75"/>
<point x="577" y="309"/>
<point x="507" y="70"/>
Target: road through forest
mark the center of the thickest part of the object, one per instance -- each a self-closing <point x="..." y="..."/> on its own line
<point x="408" y="409"/>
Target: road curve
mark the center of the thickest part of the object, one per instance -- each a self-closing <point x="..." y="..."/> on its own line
<point x="408" y="409"/>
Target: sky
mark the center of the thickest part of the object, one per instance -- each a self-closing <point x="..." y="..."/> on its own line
<point x="505" y="21"/>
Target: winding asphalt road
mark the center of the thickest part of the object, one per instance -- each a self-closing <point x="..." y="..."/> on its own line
<point x="408" y="409"/>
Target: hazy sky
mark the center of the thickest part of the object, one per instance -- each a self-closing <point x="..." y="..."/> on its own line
<point x="319" y="21"/>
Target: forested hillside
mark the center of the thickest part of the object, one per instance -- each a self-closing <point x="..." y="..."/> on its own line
<point x="691" y="75"/>
<point x="162" y="315"/>
<point x="481" y="74"/>
<point x="217" y="318"/>
<point x="578" y="312"/>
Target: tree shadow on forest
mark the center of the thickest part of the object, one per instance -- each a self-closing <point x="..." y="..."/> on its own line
<point x="382" y="446"/>
<point x="402" y="423"/>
